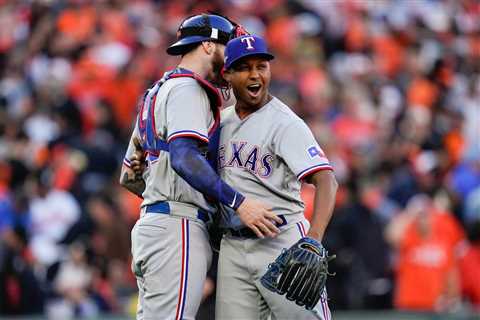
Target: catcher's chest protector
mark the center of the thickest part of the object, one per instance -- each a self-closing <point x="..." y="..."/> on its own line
<point x="151" y="143"/>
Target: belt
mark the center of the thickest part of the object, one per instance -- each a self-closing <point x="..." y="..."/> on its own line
<point x="248" y="233"/>
<point x="164" y="208"/>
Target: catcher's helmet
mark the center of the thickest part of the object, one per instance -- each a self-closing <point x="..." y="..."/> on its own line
<point x="202" y="27"/>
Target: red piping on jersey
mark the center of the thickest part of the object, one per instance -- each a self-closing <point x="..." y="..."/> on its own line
<point x="189" y="135"/>
<point x="181" y="298"/>
<point x="314" y="171"/>
<point x="140" y="122"/>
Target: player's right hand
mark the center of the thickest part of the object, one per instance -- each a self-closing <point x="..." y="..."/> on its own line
<point x="137" y="160"/>
<point x="258" y="217"/>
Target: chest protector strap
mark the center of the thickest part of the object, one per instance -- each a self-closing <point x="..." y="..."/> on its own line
<point x="151" y="142"/>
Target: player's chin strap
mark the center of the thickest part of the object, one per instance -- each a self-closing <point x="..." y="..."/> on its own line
<point x="226" y="93"/>
<point x="224" y="87"/>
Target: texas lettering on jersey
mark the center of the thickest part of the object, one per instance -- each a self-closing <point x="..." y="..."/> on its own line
<point x="248" y="157"/>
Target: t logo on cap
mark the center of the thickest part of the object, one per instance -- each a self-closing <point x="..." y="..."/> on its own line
<point x="245" y="46"/>
<point x="249" y="41"/>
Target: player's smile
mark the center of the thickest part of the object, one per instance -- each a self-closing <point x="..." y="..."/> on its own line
<point x="254" y="89"/>
<point x="250" y="80"/>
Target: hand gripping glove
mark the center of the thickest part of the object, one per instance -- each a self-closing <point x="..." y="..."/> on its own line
<point x="300" y="272"/>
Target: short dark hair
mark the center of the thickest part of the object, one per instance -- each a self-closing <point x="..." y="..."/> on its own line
<point x="189" y="48"/>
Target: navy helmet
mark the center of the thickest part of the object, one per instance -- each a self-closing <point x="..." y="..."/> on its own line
<point x="244" y="46"/>
<point x="202" y="27"/>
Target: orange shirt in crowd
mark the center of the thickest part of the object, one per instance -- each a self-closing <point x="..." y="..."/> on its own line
<point x="454" y="142"/>
<point x="426" y="262"/>
<point x="123" y="93"/>
<point x="422" y="92"/>
<point x="78" y="23"/>
<point x="356" y="35"/>
<point x="389" y="55"/>
<point x="470" y="275"/>
<point x="308" y="196"/>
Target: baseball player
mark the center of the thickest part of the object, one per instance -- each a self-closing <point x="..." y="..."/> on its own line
<point x="266" y="151"/>
<point x="177" y="127"/>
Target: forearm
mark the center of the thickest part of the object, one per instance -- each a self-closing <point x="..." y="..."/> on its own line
<point x="131" y="182"/>
<point x="191" y="165"/>
<point x="324" y="201"/>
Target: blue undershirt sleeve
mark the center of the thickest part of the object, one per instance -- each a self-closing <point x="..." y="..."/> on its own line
<point x="188" y="162"/>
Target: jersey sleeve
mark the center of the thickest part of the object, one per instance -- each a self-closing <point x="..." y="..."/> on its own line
<point x="131" y="147"/>
<point x="299" y="149"/>
<point x="187" y="112"/>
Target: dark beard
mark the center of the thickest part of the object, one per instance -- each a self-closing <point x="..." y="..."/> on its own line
<point x="216" y="74"/>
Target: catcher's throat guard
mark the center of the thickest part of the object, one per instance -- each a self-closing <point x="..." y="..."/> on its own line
<point x="300" y="272"/>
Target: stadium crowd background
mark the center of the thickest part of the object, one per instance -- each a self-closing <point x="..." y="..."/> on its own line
<point x="391" y="90"/>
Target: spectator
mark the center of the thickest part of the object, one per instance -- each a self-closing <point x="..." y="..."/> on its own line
<point x="18" y="285"/>
<point x="73" y="283"/>
<point x="427" y="270"/>
<point x="53" y="212"/>
<point x="470" y="266"/>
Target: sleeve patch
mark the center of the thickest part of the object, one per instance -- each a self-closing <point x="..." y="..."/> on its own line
<point x="315" y="151"/>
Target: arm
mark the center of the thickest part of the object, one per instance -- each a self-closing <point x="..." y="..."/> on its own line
<point x="188" y="162"/>
<point x="326" y="187"/>
<point x="191" y="165"/>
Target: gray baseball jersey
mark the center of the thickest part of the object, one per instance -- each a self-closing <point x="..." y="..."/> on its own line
<point x="171" y="253"/>
<point x="266" y="155"/>
<point x="175" y="116"/>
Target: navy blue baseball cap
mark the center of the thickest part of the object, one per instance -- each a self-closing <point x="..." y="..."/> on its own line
<point x="245" y="46"/>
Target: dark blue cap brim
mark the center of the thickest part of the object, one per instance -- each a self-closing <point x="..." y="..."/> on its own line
<point x="265" y="55"/>
<point x="179" y="47"/>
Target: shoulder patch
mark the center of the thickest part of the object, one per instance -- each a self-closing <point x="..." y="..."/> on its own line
<point x="315" y="151"/>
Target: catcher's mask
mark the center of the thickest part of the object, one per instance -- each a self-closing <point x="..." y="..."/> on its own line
<point x="204" y="27"/>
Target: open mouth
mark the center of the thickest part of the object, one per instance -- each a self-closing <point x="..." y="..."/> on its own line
<point x="254" y="88"/>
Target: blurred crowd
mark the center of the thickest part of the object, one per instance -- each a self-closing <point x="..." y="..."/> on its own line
<point x="391" y="90"/>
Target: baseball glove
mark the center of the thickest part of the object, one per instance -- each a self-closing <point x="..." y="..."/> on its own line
<point x="215" y="232"/>
<point x="300" y="272"/>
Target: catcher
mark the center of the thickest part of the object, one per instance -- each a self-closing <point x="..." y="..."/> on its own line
<point x="266" y="151"/>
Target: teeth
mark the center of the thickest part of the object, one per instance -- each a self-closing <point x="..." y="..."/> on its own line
<point x="254" y="86"/>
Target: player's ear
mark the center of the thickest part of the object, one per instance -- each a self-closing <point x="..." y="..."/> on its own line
<point x="208" y="47"/>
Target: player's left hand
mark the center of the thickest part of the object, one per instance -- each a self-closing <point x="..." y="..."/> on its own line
<point x="259" y="218"/>
<point x="300" y="271"/>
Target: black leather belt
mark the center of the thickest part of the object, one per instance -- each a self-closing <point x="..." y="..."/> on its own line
<point x="248" y="233"/>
